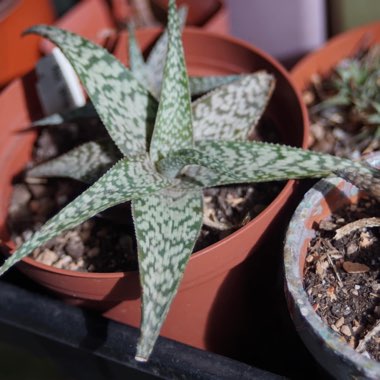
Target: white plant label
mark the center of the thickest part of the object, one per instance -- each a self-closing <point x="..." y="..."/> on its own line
<point x="58" y="86"/>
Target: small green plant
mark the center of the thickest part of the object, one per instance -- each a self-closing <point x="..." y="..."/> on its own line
<point x="347" y="106"/>
<point x="357" y="84"/>
<point x="163" y="154"/>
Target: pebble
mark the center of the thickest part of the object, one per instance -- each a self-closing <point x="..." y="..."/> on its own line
<point x="345" y="330"/>
<point x="347" y="311"/>
<point x="352" y="248"/>
<point x="75" y="247"/>
<point x="37" y="190"/>
<point x="365" y="240"/>
<point x="339" y="323"/>
<point x="326" y="225"/>
<point x="336" y="309"/>
<point x="308" y="97"/>
<point x="20" y="196"/>
<point x="91" y="268"/>
<point x="63" y="263"/>
<point x="26" y="235"/>
<point x="47" y="257"/>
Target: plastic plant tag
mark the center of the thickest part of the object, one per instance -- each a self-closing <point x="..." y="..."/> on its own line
<point x="58" y="86"/>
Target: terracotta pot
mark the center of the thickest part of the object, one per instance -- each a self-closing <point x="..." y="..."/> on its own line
<point x="210" y="306"/>
<point x="328" y="348"/>
<point x="91" y="19"/>
<point x="121" y="12"/>
<point x="326" y="58"/>
<point x="18" y="55"/>
<point x="210" y="15"/>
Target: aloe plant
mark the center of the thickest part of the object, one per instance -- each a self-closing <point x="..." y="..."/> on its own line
<point x="149" y="73"/>
<point x="163" y="154"/>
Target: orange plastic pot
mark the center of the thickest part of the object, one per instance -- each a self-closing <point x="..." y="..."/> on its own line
<point x="209" y="309"/>
<point x="323" y="60"/>
<point x="210" y="15"/>
<point x="91" y="19"/>
<point x="18" y="55"/>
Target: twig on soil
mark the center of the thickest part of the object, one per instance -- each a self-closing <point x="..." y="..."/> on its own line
<point x="356" y="225"/>
<point x="334" y="269"/>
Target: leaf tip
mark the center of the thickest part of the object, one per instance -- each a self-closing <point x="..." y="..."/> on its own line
<point x="35" y="29"/>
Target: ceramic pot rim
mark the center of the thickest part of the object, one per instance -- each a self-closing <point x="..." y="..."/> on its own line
<point x="196" y="32"/>
<point x="295" y="236"/>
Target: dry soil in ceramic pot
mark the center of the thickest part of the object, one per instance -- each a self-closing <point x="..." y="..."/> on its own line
<point x="342" y="274"/>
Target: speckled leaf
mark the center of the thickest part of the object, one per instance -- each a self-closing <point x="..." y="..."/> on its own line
<point x="126" y="108"/>
<point x="85" y="163"/>
<point x="87" y="111"/>
<point x="156" y="59"/>
<point x="173" y="127"/>
<point x="367" y="181"/>
<point x="231" y="112"/>
<point x="128" y="179"/>
<point x="172" y="165"/>
<point x="201" y="85"/>
<point x="245" y="162"/>
<point x="136" y="60"/>
<point x="167" y="226"/>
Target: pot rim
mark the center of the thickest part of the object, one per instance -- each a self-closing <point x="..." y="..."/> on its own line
<point x="333" y="44"/>
<point x="196" y="32"/>
<point x="7" y="8"/>
<point x="295" y="236"/>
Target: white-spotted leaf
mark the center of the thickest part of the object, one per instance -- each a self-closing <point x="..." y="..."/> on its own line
<point x="128" y="179"/>
<point x="136" y="60"/>
<point x="201" y="85"/>
<point x="250" y="162"/>
<point x="167" y="226"/>
<point x="85" y="163"/>
<point x="156" y="60"/>
<point x="368" y="181"/>
<point x="232" y="111"/>
<point x="173" y="128"/>
<point x="125" y="107"/>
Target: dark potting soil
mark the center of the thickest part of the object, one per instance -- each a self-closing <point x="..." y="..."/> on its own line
<point x="350" y="126"/>
<point x="107" y="244"/>
<point x="342" y="274"/>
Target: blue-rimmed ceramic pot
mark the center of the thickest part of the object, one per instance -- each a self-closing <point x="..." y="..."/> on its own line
<point x="328" y="348"/>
